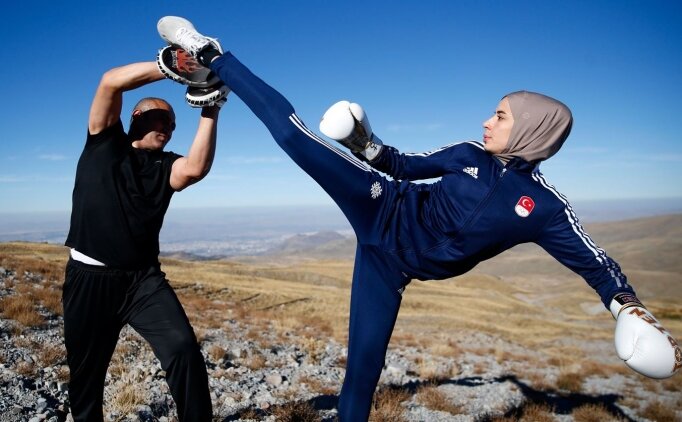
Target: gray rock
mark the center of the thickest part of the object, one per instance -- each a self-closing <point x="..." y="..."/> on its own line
<point x="274" y="379"/>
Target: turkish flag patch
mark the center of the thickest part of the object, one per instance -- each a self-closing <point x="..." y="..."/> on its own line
<point x="524" y="206"/>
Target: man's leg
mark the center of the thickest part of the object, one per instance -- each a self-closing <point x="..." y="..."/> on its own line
<point x="374" y="306"/>
<point x="155" y="312"/>
<point x="91" y="299"/>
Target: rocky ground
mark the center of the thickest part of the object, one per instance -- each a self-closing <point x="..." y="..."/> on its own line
<point x="259" y="372"/>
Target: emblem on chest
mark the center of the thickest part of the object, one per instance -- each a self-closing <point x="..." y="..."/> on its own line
<point x="524" y="206"/>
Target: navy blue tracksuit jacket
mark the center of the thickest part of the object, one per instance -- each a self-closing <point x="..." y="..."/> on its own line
<point x="405" y="230"/>
<point x="479" y="209"/>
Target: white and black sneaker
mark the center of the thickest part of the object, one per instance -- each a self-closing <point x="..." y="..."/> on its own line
<point x="180" y="32"/>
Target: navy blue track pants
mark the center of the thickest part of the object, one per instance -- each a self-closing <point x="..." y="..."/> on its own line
<point x="366" y="198"/>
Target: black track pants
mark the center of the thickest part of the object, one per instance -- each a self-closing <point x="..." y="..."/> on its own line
<point x="98" y="302"/>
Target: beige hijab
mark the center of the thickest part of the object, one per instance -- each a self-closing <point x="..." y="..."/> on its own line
<point x="541" y="125"/>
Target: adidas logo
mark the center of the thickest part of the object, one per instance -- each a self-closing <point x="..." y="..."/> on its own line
<point x="471" y="171"/>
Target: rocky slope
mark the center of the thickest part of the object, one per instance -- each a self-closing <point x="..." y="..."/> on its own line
<point x="259" y="370"/>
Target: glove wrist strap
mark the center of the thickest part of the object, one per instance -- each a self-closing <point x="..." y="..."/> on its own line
<point x="372" y="149"/>
<point x="622" y="301"/>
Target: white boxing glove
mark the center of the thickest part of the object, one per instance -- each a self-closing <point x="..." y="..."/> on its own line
<point x="641" y="341"/>
<point x="347" y="123"/>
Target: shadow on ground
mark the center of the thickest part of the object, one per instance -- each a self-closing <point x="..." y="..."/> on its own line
<point x="560" y="401"/>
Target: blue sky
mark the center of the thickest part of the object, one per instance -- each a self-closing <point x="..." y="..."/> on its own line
<point x="427" y="72"/>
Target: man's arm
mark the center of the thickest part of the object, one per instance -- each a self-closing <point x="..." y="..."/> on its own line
<point x="195" y="166"/>
<point x="106" y="106"/>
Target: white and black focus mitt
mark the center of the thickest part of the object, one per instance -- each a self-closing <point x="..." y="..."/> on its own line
<point x="178" y="65"/>
<point x="641" y="341"/>
<point x="215" y="95"/>
<point x="347" y="123"/>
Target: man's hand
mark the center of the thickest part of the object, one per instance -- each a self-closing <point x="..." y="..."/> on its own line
<point x="641" y="341"/>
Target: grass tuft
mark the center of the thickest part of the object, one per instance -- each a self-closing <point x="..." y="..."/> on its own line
<point x="255" y="362"/>
<point x="537" y="412"/>
<point x="387" y="405"/>
<point x="126" y="400"/>
<point x="594" y="413"/>
<point x="434" y="399"/>
<point x="21" y="308"/>
<point x="295" y="412"/>
<point x="570" y="381"/>
<point x="50" y="355"/>
<point x="318" y="386"/>
<point x="216" y="353"/>
<point x="657" y="411"/>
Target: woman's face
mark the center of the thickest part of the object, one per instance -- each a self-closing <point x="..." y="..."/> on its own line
<point x="498" y="128"/>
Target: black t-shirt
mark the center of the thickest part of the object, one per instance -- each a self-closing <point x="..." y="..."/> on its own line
<point x="120" y="197"/>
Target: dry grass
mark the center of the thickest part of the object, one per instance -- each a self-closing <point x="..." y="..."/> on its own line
<point x="594" y="413"/>
<point x="570" y="381"/>
<point x="435" y="399"/>
<point x="402" y="338"/>
<point x="592" y="368"/>
<point x="47" y="260"/>
<point x="216" y="353"/>
<point x="314" y="349"/>
<point x="63" y="373"/>
<point x="311" y="298"/>
<point x="50" y="297"/>
<point x="480" y="368"/>
<point x="317" y="386"/>
<point x="474" y="301"/>
<point x="121" y="370"/>
<point x="26" y="369"/>
<point x="537" y="412"/>
<point x="126" y="399"/>
<point x="255" y="362"/>
<point x="295" y="412"/>
<point x="671" y="384"/>
<point x="50" y="355"/>
<point x="657" y="411"/>
<point x="431" y="372"/>
<point x="531" y="412"/>
<point x="22" y="309"/>
<point x="387" y="405"/>
<point x="538" y="380"/>
<point x="447" y="349"/>
<point x="249" y="414"/>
